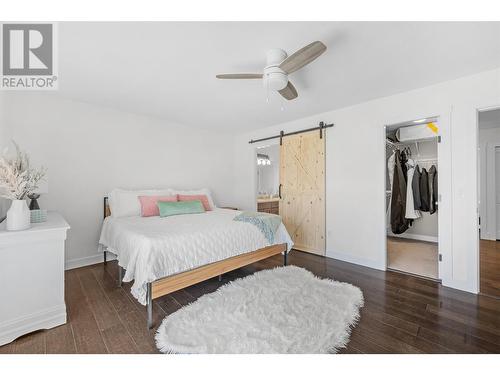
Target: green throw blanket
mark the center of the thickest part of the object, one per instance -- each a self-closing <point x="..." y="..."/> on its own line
<point x="267" y="223"/>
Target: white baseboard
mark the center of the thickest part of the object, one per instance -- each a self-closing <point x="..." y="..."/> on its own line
<point x="45" y="319"/>
<point x="87" y="261"/>
<point x="418" y="237"/>
<point x="488" y="237"/>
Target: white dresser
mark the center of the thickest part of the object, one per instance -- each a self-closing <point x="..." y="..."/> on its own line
<point x="32" y="278"/>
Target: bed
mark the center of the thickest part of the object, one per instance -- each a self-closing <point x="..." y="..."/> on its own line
<point x="162" y="255"/>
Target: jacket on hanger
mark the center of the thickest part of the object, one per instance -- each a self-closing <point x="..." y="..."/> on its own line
<point x="432" y="189"/>
<point x="435" y="190"/>
<point x="410" y="212"/>
<point x="424" y="191"/>
<point x="399" y="223"/>
<point x="390" y="169"/>
<point x="390" y="172"/>
<point x="403" y="160"/>
<point x="416" y="187"/>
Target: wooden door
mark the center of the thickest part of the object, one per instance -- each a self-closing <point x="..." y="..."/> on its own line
<point x="302" y="178"/>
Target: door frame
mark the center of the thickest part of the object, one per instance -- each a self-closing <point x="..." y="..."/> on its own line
<point x="478" y="187"/>
<point x="496" y="152"/>
<point x="442" y="218"/>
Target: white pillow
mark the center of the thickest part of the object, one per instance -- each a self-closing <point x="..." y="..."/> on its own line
<point x="126" y="202"/>
<point x="203" y="191"/>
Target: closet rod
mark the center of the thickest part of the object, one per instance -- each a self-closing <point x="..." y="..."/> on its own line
<point x="425" y="160"/>
<point x="322" y="126"/>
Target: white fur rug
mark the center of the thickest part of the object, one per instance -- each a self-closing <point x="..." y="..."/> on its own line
<point x="281" y="310"/>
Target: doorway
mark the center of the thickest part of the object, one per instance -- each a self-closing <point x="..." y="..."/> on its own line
<point x="268" y="179"/>
<point x="412" y="197"/>
<point x="489" y="201"/>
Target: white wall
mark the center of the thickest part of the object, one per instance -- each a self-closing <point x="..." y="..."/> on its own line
<point x="4" y="137"/>
<point x="355" y="196"/>
<point x="488" y="140"/>
<point x="89" y="150"/>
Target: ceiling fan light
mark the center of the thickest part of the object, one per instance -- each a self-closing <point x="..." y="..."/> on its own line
<point x="275" y="79"/>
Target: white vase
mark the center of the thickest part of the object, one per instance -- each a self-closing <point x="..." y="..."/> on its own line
<point x="18" y="215"/>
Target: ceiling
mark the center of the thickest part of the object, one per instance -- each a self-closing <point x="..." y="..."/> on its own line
<point x="489" y="119"/>
<point x="167" y="70"/>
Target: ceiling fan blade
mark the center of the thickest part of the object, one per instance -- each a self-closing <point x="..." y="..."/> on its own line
<point x="303" y="57"/>
<point x="239" y="76"/>
<point x="289" y="92"/>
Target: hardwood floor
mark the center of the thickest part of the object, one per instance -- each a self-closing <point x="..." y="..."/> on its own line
<point x="402" y="313"/>
<point x="490" y="268"/>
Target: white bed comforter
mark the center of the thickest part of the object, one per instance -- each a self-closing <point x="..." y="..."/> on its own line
<point x="150" y="248"/>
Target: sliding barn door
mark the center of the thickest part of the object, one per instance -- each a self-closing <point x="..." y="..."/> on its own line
<point x="302" y="178"/>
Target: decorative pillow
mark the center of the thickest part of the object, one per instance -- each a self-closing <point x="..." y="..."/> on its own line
<point x="180" y="208"/>
<point x="203" y="191"/>
<point x="202" y="198"/>
<point x="149" y="205"/>
<point x="126" y="202"/>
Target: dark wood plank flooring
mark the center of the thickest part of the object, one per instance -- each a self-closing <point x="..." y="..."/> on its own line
<point x="402" y="313"/>
<point x="490" y="268"/>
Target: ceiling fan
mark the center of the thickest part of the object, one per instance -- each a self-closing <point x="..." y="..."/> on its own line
<point x="279" y="66"/>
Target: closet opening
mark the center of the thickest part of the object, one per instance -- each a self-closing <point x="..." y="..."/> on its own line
<point x="412" y="197"/>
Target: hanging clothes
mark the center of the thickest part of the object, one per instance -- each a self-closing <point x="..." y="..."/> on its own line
<point x="399" y="223"/>
<point x="410" y="212"/>
<point x="424" y="191"/>
<point x="432" y="189"/>
<point x="390" y="173"/>
<point x="390" y="169"/>
<point x="416" y="187"/>
<point x="403" y="159"/>
<point x="435" y="189"/>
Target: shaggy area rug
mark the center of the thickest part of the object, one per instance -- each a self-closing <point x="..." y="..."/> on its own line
<point x="280" y="310"/>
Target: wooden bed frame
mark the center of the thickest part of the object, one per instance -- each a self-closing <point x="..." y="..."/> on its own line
<point x="182" y="280"/>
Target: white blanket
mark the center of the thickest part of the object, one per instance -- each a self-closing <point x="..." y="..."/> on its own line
<point x="150" y="248"/>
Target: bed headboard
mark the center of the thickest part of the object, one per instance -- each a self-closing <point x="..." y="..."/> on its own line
<point x="106" y="209"/>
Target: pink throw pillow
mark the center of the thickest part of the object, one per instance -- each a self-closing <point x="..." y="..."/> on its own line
<point x="202" y="198"/>
<point x="149" y="206"/>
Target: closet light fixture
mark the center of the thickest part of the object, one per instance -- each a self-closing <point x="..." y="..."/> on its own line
<point x="419" y="121"/>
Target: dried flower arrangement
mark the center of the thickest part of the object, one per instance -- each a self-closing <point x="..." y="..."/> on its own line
<point x="17" y="177"/>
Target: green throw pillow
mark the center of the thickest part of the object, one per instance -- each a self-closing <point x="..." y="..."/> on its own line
<point x="180" y="208"/>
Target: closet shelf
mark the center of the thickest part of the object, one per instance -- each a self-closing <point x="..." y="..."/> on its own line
<point x="409" y="142"/>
